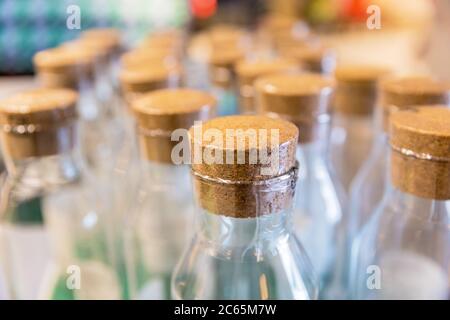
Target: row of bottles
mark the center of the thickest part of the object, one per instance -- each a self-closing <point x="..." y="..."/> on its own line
<point x="99" y="183"/>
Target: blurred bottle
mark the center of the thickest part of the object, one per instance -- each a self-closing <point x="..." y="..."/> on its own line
<point x="352" y="125"/>
<point x="215" y="52"/>
<point x="248" y="71"/>
<point x="54" y="216"/>
<point x="73" y="66"/>
<point x="158" y="226"/>
<point x="318" y="211"/>
<point x="403" y="250"/>
<point x="243" y="246"/>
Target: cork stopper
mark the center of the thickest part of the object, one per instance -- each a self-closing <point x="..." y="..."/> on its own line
<point x="420" y="142"/>
<point x="161" y="112"/>
<point x="248" y="70"/>
<point x="168" y="41"/>
<point x="239" y="181"/>
<point x="108" y="39"/>
<point x="62" y="68"/>
<point x="357" y="88"/>
<point x="138" y="80"/>
<point x="397" y="94"/>
<point x="38" y="122"/>
<point x="304" y="99"/>
<point x="141" y="57"/>
<point x="313" y="58"/>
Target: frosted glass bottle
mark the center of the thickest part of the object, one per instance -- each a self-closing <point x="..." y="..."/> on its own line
<point x="243" y="245"/>
<point x="54" y="216"/>
<point x="353" y="124"/>
<point x="402" y="252"/>
<point x="305" y="99"/>
<point x="160" y="221"/>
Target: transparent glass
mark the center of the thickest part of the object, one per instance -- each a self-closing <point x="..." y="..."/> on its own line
<point x="369" y="185"/>
<point x="157" y="229"/>
<point x="403" y="252"/>
<point x="351" y="141"/>
<point x="244" y="258"/>
<point x="55" y="232"/>
<point x="318" y="211"/>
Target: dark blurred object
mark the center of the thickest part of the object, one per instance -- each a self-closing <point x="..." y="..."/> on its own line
<point x="28" y="26"/>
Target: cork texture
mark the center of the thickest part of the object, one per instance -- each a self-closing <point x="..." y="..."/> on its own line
<point x="149" y="78"/>
<point x="304" y="99"/>
<point x="233" y="187"/>
<point x="400" y="93"/>
<point x="106" y="39"/>
<point x="420" y="138"/>
<point x="248" y="71"/>
<point x="38" y="122"/>
<point x="64" y="67"/>
<point x="160" y="112"/>
<point x="357" y="88"/>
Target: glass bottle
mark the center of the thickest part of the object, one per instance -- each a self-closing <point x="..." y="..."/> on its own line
<point x="72" y="67"/>
<point x="305" y="100"/>
<point x="158" y="225"/>
<point x="352" y="124"/>
<point x="370" y="183"/>
<point x="403" y="252"/>
<point x="243" y="246"/>
<point x="248" y="71"/>
<point x="53" y="214"/>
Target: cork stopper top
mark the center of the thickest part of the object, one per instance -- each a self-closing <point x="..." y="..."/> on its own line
<point x="249" y="70"/>
<point x="142" y="57"/>
<point x="39" y="107"/>
<point x="294" y="84"/>
<point x="170" y="109"/>
<point x="234" y="135"/>
<point x="415" y="91"/>
<point x="360" y="74"/>
<point x="357" y="88"/>
<point x="61" y="59"/>
<point x="102" y="38"/>
<point x="423" y="132"/>
<point x="164" y="40"/>
<point x="308" y="53"/>
<point x="148" y="76"/>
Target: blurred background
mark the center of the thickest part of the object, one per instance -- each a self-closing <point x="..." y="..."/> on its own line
<point x="416" y="30"/>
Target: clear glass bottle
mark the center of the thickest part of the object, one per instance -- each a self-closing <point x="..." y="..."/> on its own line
<point x="403" y="252"/>
<point x="73" y="67"/>
<point x="370" y="183"/>
<point x="53" y="215"/>
<point x="243" y="245"/>
<point x="352" y="130"/>
<point x="159" y="223"/>
<point x="305" y="99"/>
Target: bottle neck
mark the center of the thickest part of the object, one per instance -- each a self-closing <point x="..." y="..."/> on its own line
<point x="312" y="153"/>
<point x="234" y="233"/>
<point x="44" y="171"/>
<point x="427" y="210"/>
